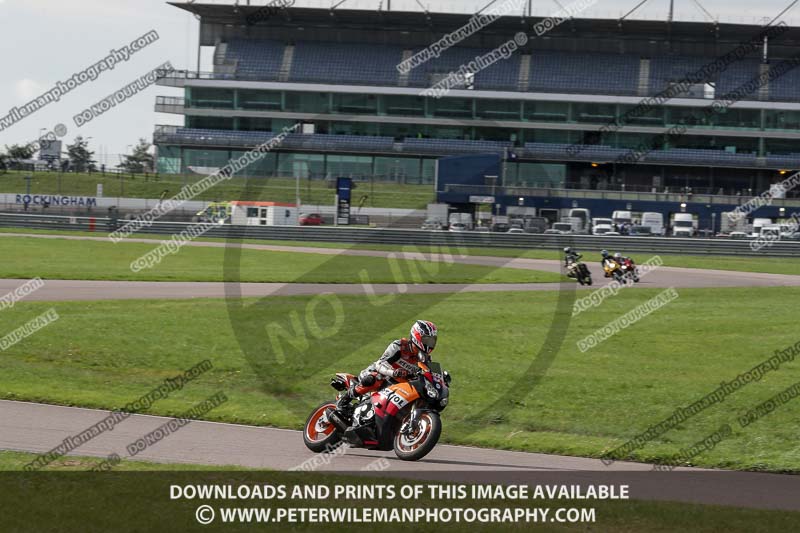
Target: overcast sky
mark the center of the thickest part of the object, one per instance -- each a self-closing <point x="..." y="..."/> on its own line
<point x="47" y="41"/>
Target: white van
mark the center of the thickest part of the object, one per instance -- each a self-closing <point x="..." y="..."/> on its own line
<point x="602" y="225"/>
<point x="683" y="225"/>
<point x="759" y="223"/>
<point x="654" y="221"/>
<point x="622" y="217"/>
<point x="584" y="216"/>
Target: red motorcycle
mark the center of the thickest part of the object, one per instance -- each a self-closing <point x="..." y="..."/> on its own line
<point x="628" y="268"/>
<point x="403" y="416"/>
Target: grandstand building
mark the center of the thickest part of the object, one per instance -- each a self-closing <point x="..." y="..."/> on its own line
<point x="545" y="110"/>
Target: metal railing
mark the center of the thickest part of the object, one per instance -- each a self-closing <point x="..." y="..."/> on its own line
<point x="400" y="237"/>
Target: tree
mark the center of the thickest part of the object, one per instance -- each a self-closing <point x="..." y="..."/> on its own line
<point x="141" y="160"/>
<point x="80" y="158"/>
<point x="17" y="151"/>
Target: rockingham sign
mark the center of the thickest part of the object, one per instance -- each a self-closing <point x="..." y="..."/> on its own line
<point x="54" y="200"/>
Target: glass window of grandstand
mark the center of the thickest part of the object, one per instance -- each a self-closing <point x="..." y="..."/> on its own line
<point x="496" y="134"/>
<point x="635" y="141"/>
<point x="354" y="128"/>
<point x="255" y="124"/>
<point x="404" y="105"/>
<point x="446" y="132"/>
<point x="307" y="102"/>
<point x="731" y="117"/>
<point x="169" y="159"/>
<point x="546" y="111"/>
<point x="556" y="136"/>
<point x="734" y="145"/>
<point x="355" y="103"/>
<point x="595" y="113"/>
<point x="781" y="146"/>
<point x="260" y="100"/>
<point x="304" y="166"/>
<point x="210" y="98"/>
<point x="499" y="109"/>
<point x="642" y="116"/>
<point x="689" y="116"/>
<point x="204" y="159"/>
<point x="451" y="107"/>
<point x="210" y="123"/>
<point x="428" y="170"/>
<point x="535" y="175"/>
<point x="350" y="166"/>
<point x="781" y="120"/>
<point x="264" y="167"/>
<point x="401" y="131"/>
<point x="398" y="169"/>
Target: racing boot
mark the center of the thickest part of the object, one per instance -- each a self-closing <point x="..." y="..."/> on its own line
<point x="343" y="403"/>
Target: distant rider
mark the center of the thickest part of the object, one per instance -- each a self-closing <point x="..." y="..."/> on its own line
<point x="398" y="361"/>
<point x="605" y="256"/>
<point x="619" y="258"/>
<point x="570" y="256"/>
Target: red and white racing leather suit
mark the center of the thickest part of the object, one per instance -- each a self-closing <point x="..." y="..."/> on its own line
<point x="399" y="354"/>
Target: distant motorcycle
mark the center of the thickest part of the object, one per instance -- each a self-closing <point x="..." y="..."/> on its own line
<point x="628" y="269"/>
<point x="403" y="416"/>
<point x="580" y="272"/>
<point x="613" y="270"/>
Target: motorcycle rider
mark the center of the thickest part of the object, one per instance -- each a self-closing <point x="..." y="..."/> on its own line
<point x="604" y="255"/>
<point x="399" y="360"/>
<point x="570" y="256"/>
<point x="619" y="258"/>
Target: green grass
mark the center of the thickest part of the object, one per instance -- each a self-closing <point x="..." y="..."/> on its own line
<point x="769" y="265"/>
<point x="14" y="461"/>
<point x="25" y="257"/>
<point x="314" y="192"/>
<point x="135" y="497"/>
<point x="104" y="354"/>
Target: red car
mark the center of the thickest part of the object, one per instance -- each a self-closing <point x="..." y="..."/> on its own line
<point x="314" y="219"/>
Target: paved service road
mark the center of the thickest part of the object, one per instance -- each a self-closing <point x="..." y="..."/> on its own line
<point x="39" y="428"/>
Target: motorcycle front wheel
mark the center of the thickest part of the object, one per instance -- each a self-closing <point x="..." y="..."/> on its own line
<point x="418" y="444"/>
<point x="319" y="433"/>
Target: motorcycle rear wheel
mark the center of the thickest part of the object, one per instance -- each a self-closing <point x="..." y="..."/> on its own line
<point x="420" y="443"/>
<point x="319" y="434"/>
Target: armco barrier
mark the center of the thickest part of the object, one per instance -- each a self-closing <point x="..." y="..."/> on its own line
<point x="349" y="235"/>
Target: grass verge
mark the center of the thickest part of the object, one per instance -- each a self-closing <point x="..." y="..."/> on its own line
<point x="25" y="257"/>
<point x="104" y="354"/>
<point x="767" y="265"/>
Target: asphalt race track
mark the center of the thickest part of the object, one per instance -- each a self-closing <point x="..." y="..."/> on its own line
<point x="39" y="428"/>
<point x="662" y="277"/>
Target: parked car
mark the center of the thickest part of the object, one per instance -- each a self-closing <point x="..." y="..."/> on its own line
<point x="433" y="224"/>
<point x="738" y="235"/>
<point x="501" y="227"/>
<point x="516" y="230"/>
<point x="313" y="219"/>
<point x="458" y="226"/>
<point x="564" y="228"/>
